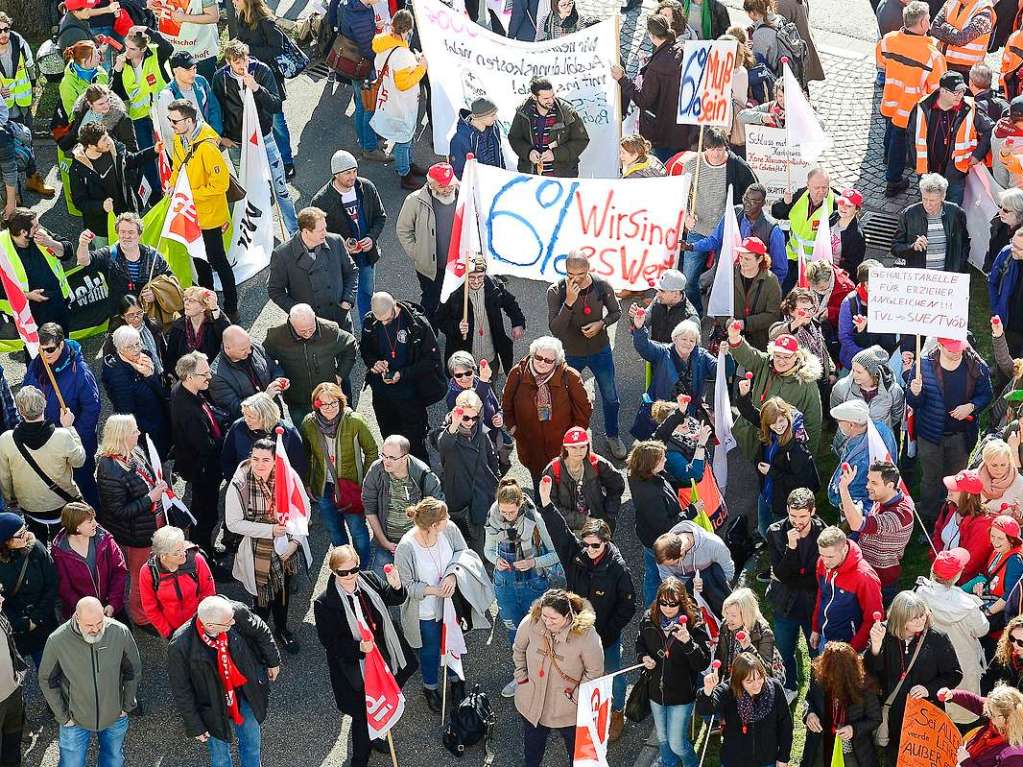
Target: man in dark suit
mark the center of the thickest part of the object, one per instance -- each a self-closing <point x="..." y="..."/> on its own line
<point x="314" y="268"/>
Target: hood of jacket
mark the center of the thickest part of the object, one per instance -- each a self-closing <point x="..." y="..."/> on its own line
<point x="117" y="111"/>
<point x="948" y="604"/>
<point x="807" y="369"/>
<point x="385" y="41"/>
<point x="849" y="565"/>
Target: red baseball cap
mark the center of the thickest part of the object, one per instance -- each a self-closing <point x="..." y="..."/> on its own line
<point x="852" y="197"/>
<point x="952" y="344"/>
<point x="1007" y="525"/>
<point x="965" y="482"/>
<point x="441" y="173"/>
<point x="754" y="245"/>
<point x="576" y="436"/>
<point x="79" y="5"/>
<point x="948" y="564"/>
<point x="786" y="343"/>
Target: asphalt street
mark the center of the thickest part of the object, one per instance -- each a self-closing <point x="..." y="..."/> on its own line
<point x="304" y="727"/>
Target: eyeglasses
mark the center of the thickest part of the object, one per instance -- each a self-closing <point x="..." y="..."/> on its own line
<point x="48" y="349"/>
<point x="464" y="374"/>
<point x="172" y="121"/>
<point x="593" y="546"/>
<point x="349" y="571"/>
<point x="133" y="316"/>
<point x="665" y="603"/>
<point x="470" y="418"/>
<point x="4" y="30"/>
<point x="330" y="405"/>
<point x="545" y="360"/>
<point x="387" y="457"/>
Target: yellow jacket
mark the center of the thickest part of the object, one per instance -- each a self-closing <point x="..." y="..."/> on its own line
<point x="403" y="78"/>
<point x="208" y="175"/>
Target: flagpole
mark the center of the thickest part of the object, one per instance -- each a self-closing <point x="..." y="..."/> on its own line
<point x="918" y="375"/>
<point x="53" y="381"/>
<point x="696" y="179"/>
<point x="443" y="672"/>
<point x="618" y="62"/>
<point x="394" y="756"/>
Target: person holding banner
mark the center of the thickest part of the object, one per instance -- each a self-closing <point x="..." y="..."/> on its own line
<point x="932" y="233"/>
<point x="755" y="716"/>
<point x="355" y="600"/>
<point x="556" y="649"/>
<point x="173" y="581"/>
<point x="854" y="338"/>
<point x="221" y="664"/>
<point x="999" y="740"/>
<point x="656" y="97"/>
<point x="947" y="389"/>
<point x="546" y="133"/>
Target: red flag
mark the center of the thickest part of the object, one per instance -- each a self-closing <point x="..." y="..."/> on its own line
<point x="162" y="165"/>
<point x="23" y="319"/>
<point x="466" y="242"/>
<point x="802" y="282"/>
<point x="385" y="702"/>
<point x="290" y="499"/>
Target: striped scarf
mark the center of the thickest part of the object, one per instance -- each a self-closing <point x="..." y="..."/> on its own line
<point x="269" y="569"/>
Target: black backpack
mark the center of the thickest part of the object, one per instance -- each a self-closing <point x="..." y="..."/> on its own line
<point x="471" y="721"/>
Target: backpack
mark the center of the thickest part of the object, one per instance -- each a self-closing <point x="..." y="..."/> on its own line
<point x="471" y="721"/>
<point x="761" y="83"/>
<point x="792" y="46"/>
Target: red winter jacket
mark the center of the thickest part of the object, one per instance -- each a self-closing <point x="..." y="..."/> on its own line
<point x="176" y="599"/>
<point x="75" y="580"/>
<point x="843" y="287"/>
<point x="847" y="598"/>
<point x="974" y="536"/>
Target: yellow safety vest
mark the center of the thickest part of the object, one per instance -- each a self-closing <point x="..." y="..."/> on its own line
<point x="20" y="86"/>
<point x="142" y="91"/>
<point x="803" y="228"/>
<point x="19" y="269"/>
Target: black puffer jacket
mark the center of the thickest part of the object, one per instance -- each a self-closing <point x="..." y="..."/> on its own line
<point x="195" y="683"/>
<point x="602" y="488"/>
<point x="676" y="678"/>
<point x="35" y="600"/>
<point x="125" y="508"/>
<point x="608" y="584"/>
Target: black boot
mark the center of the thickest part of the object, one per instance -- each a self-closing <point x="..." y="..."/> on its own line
<point x="433" y="701"/>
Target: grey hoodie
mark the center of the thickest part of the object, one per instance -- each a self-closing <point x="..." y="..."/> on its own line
<point x="707" y="550"/>
<point x="90" y="684"/>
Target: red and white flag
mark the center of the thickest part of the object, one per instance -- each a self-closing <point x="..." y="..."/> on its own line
<point x="723" y="421"/>
<point x="182" y="221"/>
<point x="162" y="165"/>
<point x="466" y="239"/>
<point x="722" y="293"/>
<point x="878" y="451"/>
<point x="592" y="723"/>
<point x="23" y="319"/>
<point x="385" y="702"/>
<point x="290" y="501"/>
<point x="452" y="641"/>
<point x="169" y="499"/>
<point x="803" y="130"/>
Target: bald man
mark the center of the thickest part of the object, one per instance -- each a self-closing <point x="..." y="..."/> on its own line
<point x="89" y="675"/>
<point x="240" y="370"/>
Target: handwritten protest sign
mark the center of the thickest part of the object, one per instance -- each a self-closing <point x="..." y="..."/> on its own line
<point x="929" y="737"/>
<point x="705" y="91"/>
<point x="923" y="302"/>
<point x="475" y="62"/>
<point x="629" y="230"/>
<point x="766" y="153"/>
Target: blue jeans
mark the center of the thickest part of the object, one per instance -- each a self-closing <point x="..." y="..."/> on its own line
<point x="287" y="205"/>
<point x="283" y="138"/>
<point x="364" y="291"/>
<point x="250" y="741"/>
<point x="515" y="595"/>
<point x="613" y="662"/>
<point x="693" y="265"/>
<point x="765" y="516"/>
<point x="651" y="577"/>
<point x="336" y="522"/>
<point x="786" y="639"/>
<point x="602" y="364"/>
<point x="672" y="725"/>
<point x="364" y="134"/>
<point x="74" y="744"/>
<point x="429" y="655"/>
<point x="402" y="158"/>
<point x="895" y="150"/>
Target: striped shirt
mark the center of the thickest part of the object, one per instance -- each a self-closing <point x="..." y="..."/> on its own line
<point x="935" y="242"/>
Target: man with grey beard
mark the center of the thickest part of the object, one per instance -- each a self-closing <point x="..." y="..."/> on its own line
<point x="89" y="684"/>
<point x="424" y="231"/>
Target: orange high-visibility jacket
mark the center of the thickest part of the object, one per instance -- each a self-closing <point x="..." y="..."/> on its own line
<point x="1012" y="60"/>
<point x="912" y="67"/>
<point x="965" y="135"/>
<point x="959" y="13"/>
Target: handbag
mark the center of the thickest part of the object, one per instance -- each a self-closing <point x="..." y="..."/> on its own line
<point x="235" y="191"/>
<point x="881" y="735"/>
<point x="347" y="60"/>
<point x="371" y="90"/>
<point x="291" y="61"/>
<point x="348" y="496"/>
<point x="637" y="705"/>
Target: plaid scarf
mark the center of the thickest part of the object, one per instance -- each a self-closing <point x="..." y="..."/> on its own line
<point x="269" y="569"/>
<point x="230" y="677"/>
<point x="543" y="392"/>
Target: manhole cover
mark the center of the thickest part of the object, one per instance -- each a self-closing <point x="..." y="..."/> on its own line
<point x="879" y="232"/>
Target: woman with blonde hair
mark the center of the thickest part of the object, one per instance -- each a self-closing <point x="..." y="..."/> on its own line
<point x="1003" y="483"/>
<point x="129" y="500"/>
<point x="637" y="158"/>
<point x="744" y="629"/>
<point x="339" y="448"/>
<point x="200" y="327"/>
<point x="556" y="649"/>
<point x="1006" y="665"/>
<point x="260" y="419"/>
<point x="999" y="741"/>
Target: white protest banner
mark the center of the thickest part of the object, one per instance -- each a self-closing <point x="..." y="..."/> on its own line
<point x="767" y="151"/>
<point x="923" y="302"/>
<point x="705" y="91"/>
<point x="629" y="230"/>
<point x="592" y="723"/>
<point x="981" y="201"/>
<point x="475" y="62"/>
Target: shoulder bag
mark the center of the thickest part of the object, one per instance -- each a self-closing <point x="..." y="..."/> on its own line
<point x="369" y="93"/>
<point x="881" y="736"/>
<point x="347" y="60"/>
<point x="235" y="191"/>
<point x="637" y="705"/>
<point x="291" y="61"/>
<point x="51" y="485"/>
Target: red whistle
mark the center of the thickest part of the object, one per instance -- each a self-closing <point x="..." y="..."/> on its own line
<point x="483" y="363"/>
<point x="279" y="430"/>
<point x="546" y="481"/>
<point x="641" y="313"/>
<point x="846" y="467"/>
<point x="740" y="635"/>
<point x="684" y="620"/>
<point x="996" y="320"/>
<point x="284" y="383"/>
<point x="685" y="398"/>
<point x="459" y="411"/>
<point x="716" y="665"/>
<point x="943" y="696"/>
<point x="388" y="569"/>
<point x="737" y="326"/>
<point x="969" y="418"/>
<point x="90" y="235"/>
<point x="749" y="376"/>
<point x="877" y="615"/>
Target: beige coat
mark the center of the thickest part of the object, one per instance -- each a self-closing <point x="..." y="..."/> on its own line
<point x="21" y="486"/>
<point x="540" y="696"/>
<point x="417" y="232"/>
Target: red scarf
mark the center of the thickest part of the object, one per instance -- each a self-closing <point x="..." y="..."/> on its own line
<point x="230" y="677"/>
<point x="861" y="291"/>
<point x="983" y="740"/>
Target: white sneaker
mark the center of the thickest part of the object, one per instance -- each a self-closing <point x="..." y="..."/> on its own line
<point x="508" y="691"/>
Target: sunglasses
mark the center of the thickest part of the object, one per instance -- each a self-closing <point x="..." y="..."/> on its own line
<point x="48" y="349"/>
<point x="349" y="571"/>
<point x="172" y="121"/>
<point x="470" y="418"/>
<point x="593" y="546"/>
<point x="466" y="374"/>
<point x="4" y="30"/>
<point x="545" y="360"/>
<point x="665" y="603"/>
<point x="1016" y="641"/>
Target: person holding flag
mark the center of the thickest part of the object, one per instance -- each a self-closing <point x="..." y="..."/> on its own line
<point x="756" y="292"/>
<point x="805" y="210"/>
<point x="267" y="555"/>
<point x="354" y="625"/>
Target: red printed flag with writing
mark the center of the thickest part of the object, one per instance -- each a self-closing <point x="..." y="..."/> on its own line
<point x="385" y="702"/>
<point x="592" y="723"/>
<point x="22" y="312"/>
<point x="466" y="242"/>
<point x="182" y="221"/>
